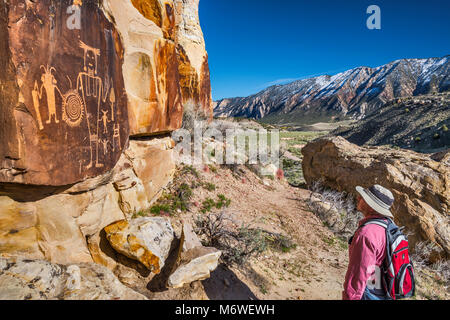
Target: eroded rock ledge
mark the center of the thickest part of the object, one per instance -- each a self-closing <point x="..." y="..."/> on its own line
<point x="55" y="226"/>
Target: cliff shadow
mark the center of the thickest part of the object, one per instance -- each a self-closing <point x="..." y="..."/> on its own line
<point x="29" y="193"/>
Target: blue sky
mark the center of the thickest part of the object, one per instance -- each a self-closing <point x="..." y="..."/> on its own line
<point x="253" y="44"/>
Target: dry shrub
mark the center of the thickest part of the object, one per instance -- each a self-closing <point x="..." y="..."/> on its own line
<point x="193" y="114"/>
<point x="422" y="262"/>
<point x="336" y="209"/>
<point x="237" y="243"/>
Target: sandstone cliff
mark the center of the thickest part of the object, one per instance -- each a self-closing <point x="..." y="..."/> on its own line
<point x="420" y="184"/>
<point x="79" y="81"/>
<point x="80" y="77"/>
<point x="165" y="63"/>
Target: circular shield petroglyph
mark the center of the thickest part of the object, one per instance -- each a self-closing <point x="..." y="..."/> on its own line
<point x="73" y="109"/>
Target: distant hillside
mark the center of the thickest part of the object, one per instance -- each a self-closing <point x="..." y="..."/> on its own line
<point x="351" y="94"/>
<point x="419" y="123"/>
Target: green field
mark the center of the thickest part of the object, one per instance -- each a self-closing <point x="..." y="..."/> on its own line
<point x="293" y="140"/>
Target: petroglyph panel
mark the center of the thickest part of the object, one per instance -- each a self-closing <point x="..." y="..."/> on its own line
<point x="66" y="115"/>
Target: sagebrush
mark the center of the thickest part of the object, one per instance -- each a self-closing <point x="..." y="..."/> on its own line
<point x="237" y="243"/>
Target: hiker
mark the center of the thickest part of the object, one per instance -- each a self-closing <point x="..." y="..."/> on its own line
<point x="367" y="250"/>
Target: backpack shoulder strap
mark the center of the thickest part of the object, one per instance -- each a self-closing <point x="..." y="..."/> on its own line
<point x="378" y="221"/>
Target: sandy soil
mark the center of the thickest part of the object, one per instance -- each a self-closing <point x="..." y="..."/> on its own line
<point x="315" y="269"/>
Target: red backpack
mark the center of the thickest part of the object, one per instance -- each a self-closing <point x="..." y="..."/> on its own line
<point x="397" y="271"/>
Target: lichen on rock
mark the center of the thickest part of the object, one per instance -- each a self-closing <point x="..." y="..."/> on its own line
<point x="147" y="240"/>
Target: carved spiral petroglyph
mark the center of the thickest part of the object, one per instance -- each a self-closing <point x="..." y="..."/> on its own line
<point x="73" y="109"/>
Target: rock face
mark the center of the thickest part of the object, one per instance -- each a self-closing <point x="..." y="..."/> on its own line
<point x="166" y="65"/>
<point x="42" y="280"/>
<point x="64" y="114"/>
<point x="147" y="240"/>
<point x="194" y="67"/>
<point x="421" y="185"/>
<point x="145" y="168"/>
<point x="80" y="77"/>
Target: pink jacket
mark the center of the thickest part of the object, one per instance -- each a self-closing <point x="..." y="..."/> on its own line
<point x="366" y="253"/>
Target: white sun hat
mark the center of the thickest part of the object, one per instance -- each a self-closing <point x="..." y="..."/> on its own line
<point x="378" y="198"/>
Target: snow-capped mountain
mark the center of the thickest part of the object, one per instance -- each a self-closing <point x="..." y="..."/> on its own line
<point x="354" y="93"/>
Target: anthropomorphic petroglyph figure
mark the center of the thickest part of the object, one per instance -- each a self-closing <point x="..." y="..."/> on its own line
<point x="105" y="146"/>
<point x="49" y="83"/>
<point x="105" y="121"/>
<point x="35" y="94"/>
<point x="90" y="87"/>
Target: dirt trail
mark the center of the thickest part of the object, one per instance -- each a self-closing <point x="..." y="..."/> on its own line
<point x="315" y="269"/>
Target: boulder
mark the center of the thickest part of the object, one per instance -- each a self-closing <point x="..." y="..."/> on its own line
<point x="147" y="240"/>
<point x="41" y="280"/>
<point x="195" y="262"/>
<point x="421" y="185"/>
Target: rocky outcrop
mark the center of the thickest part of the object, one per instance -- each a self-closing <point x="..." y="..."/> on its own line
<point x="53" y="224"/>
<point x="421" y="185"/>
<point x="42" y="280"/>
<point x="90" y="91"/>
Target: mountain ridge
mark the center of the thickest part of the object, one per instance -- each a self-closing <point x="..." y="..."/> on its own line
<point x="353" y="93"/>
